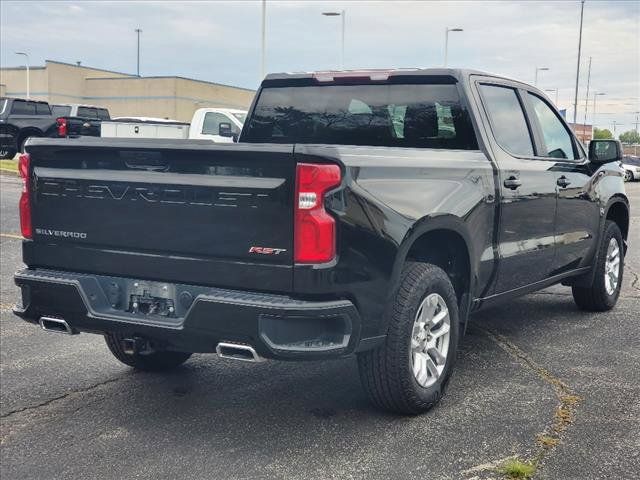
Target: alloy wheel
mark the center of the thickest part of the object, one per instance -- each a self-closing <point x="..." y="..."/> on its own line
<point x="430" y="340"/>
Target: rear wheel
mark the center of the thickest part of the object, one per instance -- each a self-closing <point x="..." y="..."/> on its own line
<point x="24" y="139"/>
<point x="408" y="374"/>
<point x="605" y="287"/>
<point x="628" y="176"/>
<point x="6" y="152"/>
<point x="157" y="360"/>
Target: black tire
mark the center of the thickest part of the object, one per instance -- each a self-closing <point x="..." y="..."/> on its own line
<point x="149" y="362"/>
<point x="628" y="176"/>
<point x="595" y="297"/>
<point x="386" y="372"/>
<point x="7" y="153"/>
<point x="24" y="139"/>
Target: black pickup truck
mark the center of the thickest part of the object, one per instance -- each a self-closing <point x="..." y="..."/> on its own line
<point x="76" y="120"/>
<point x="361" y="212"/>
<point x="21" y="119"/>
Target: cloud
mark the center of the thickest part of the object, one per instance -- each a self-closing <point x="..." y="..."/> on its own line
<point x="220" y="41"/>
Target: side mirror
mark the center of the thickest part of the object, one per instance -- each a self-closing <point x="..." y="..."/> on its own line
<point x="605" y="151"/>
<point x="224" y="129"/>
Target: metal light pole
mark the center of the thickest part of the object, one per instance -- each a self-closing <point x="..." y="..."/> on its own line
<point x="575" y="98"/>
<point x="553" y="90"/>
<point x="342" y="14"/>
<point x="595" y="98"/>
<point x="539" y="69"/>
<point x="26" y="56"/>
<point x="614" y="127"/>
<point x="138" y="32"/>
<point x="586" y="99"/>
<point x="264" y="39"/>
<point x="446" y="42"/>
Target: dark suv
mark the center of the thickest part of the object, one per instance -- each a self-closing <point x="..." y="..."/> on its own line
<point x="21" y="119"/>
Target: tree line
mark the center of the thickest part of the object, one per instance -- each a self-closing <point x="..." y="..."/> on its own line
<point x="630" y="137"/>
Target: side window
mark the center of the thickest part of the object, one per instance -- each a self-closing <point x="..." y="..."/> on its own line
<point x="42" y="109"/>
<point x="20" y="107"/>
<point x="212" y="121"/>
<point x="507" y="118"/>
<point x="557" y="138"/>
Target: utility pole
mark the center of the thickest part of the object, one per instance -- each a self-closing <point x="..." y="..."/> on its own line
<point x="264" y="39"/>
<point x="446" y="42"/>
<point x="26" y="56"/>
<point x="586" y="98"/>
<point x="596" y="94"/>
<point x="343" y="27"/>
<point x="539" y="69"/>
<point x="138" y="32"/>
<point x="575" y="98"/>
<point x="614" y="127"/>
<point x="342" y="14"/>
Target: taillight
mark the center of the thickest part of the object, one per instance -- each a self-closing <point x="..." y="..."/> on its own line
<point x="62" y="127"/>
<point x="25" y="200"/>
<point x="314" y="229"/>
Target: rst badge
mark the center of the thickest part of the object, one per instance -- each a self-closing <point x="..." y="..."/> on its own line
<point x="267" y="250"/>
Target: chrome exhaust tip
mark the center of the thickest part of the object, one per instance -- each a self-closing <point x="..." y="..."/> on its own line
<point x="55" y="325"/>
<point x="237" y="351"/>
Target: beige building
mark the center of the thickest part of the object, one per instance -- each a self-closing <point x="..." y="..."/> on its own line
<point x="123" y="94"/>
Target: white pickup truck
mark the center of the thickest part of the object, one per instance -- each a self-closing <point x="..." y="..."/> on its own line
<point x="221" y="125"/>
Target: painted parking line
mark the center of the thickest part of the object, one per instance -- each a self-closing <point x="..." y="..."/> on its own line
<point x="11" y="235"/>
<point x="6" y="307"/>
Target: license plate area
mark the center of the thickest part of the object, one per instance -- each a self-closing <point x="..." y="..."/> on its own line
<point x="147" y="298"/>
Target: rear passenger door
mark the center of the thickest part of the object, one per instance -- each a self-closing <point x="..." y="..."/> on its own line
<point x="527" y="183"/>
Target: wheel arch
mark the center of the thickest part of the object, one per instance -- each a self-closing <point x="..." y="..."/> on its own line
<point x="27" y="132"/>
<point x="444" y="241"/>
<point x="618" y="211"/>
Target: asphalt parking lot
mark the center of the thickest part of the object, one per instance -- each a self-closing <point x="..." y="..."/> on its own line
<point x="537" y="366"/>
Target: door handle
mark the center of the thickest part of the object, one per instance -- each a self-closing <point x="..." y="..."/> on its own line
<point x="512" y="182"/>
<point x="563" y="182"/>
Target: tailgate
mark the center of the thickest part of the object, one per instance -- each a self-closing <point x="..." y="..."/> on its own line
<point x="78" y="126"/>
<point x="185" y="211"/>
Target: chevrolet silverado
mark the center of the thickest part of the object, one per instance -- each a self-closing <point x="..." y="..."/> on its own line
<point x="367" y="213"/>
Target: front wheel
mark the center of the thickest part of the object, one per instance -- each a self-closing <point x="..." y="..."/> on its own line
<point x="158" y="360"/>
<point x="628" y="176"/>
<point x="605" y="286"/>
<point x="408" y="374"/>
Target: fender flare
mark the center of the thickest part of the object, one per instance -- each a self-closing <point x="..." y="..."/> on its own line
<point x="428" y="224"/>
<point x="615" y="199"/>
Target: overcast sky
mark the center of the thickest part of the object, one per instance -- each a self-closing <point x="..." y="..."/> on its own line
<point x="220" y="41"/>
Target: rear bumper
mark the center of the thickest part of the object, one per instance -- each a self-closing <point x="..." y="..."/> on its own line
<point x="277" y="326"/>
